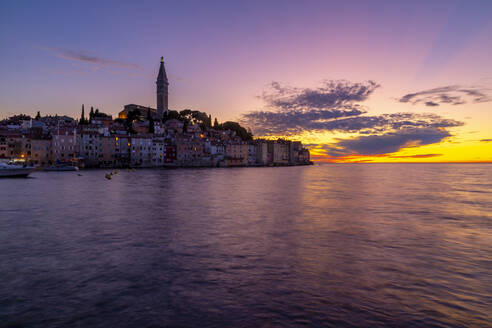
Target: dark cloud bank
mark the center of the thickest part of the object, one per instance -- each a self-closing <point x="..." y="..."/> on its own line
<point x="452" y="94"/>
<point x="334" y="107"/>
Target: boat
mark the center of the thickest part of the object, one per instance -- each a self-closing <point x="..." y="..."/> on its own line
<point x="61" y="168"/>
<point x="11" y="170"/>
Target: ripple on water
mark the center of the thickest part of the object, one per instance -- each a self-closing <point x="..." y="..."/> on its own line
<point x="320" y="246"/>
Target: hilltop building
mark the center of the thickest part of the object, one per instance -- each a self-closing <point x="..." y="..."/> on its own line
<point x="162" y="98"/>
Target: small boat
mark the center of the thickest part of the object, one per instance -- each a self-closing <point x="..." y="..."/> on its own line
<point x="61" y="168"/>
<point x="15" y="170"/>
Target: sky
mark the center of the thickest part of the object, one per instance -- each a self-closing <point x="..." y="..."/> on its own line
<point x="356" y="81"/>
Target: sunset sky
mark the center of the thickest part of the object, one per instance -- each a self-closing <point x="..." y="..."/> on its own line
<point x="357" y="81"/>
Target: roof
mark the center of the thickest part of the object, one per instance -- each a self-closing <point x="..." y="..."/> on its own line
<point x="162" y="76"/>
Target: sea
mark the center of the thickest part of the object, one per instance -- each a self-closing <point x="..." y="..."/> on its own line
<point x="335" y="245"/>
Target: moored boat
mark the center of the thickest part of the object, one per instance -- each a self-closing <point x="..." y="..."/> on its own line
<point x="14" y="170"/>
<point x="61" y="168"/>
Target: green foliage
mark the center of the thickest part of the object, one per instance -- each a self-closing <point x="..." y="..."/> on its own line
<point x="97" y="113"/>
<point x="82" y="120"/>
<point x="133" y="116"/>
<point x="240" y="131"/>
<point x="170" y="115"/>
<point x="196" y="117"/>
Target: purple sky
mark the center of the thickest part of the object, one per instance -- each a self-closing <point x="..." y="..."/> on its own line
<point x="222" y="55"/>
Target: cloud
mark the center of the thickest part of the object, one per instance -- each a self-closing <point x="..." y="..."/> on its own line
<point x="265" y="123"/>
<point x="415" y="156"/>
<point x="330" y="94"/>
<point x="292" y="110"/>
<point x="390" y="142"/>
<point x="334" y="107"/>
<point x="330" y="107"/>
<point x="452" y="94"/>
<point x="431" y="103"/>
<point x="486" y="140"/>
<point x="86" y="58"/>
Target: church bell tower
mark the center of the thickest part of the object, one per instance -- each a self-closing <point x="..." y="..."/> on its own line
<point x="162" y="91"/>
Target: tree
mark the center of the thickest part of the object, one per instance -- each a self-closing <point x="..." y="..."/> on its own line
<point x="240" y="131"/>
<point x="82" y="117"/>
<point x="133" y="115"/>
<point x="151" y="121"/>
<point x="38" y="116"/>
<point x="216" y="124"/>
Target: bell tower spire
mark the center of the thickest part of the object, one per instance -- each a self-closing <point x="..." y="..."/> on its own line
<point x="162" y="90"/>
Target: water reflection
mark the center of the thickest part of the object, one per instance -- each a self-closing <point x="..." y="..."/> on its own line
<point x="333" y="245"/>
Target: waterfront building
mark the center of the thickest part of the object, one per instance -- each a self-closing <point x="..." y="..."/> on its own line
<point x="63" y="144"/>
<point x="89" y="142"/>
<point x="10" y="144"/>
<point x="304" y="156"/>
<point x="4" y="148"/>
<point x="122" y="150"/>
<point x="280" y="152"/>
<point x="252" y="154"/>
<point x="295" y="147"/>
<point x="108" y="145"/>
<point x="141" y="150"/>
<point x="189" y="150"/>
<point x="170" y="155"/>
<point x="40" y="151"/>
<point x="236" y="154"/>
<point x="217" y="153"/>
<point x="158" y="151"/>
<point x="262" y="152"/>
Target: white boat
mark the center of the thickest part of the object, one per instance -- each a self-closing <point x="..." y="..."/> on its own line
<point x="14" y="170"/>
<point x="61" y="168"/>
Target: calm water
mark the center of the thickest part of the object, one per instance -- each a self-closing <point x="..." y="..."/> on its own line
<point x="329" y="245"/>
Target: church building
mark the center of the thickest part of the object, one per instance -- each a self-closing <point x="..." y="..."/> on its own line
<point x="162" y="98"/>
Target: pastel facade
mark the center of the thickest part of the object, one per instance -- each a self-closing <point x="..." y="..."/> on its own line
<point x="141" y="151"/>
<point x="63" y="145"/>
<point x="41" y="151"/>
<point x="236" y="154"/>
